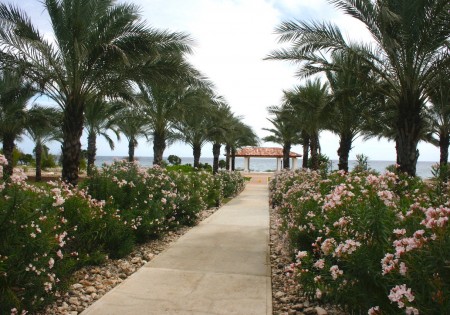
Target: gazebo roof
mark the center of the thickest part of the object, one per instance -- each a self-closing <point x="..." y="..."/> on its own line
<point x="264" y="152"/>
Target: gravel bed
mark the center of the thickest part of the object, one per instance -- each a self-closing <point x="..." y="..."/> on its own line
<point x="287" y="298"/>
<point x="92" y="282"/>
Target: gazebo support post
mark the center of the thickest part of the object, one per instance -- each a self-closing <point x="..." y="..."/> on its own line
<point x="278" y="164"/>
<point x="247" y="164"/>
<point x="294" y="163"/>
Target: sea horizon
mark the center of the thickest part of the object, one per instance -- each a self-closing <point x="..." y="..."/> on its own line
<point x="269" y="164"/>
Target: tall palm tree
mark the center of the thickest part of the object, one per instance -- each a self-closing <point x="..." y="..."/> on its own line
<point x="15" y="92"/>
<point x="161" y="106"/>
<point x="40" y="127"/>
<point x="99" y="119"/>
<point x="132" y="122"/>
<point x="98" y="45"/>
<point x="162" y="102"/>
<point x="409" y="38"/>
<point x="350" y="102"/>
<point x="284" y="132"/>
<point x="195" y="125"/>
<point x="439" y="114"/>
<point x="307" y="103"/>
<point x="221" y="121"/>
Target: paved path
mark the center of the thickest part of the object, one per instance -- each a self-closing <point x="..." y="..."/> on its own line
<point x="220" y="266"/>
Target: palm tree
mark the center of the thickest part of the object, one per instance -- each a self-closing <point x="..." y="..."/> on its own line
<point x="307" y="103"/>
<point x="350" y="102"/>
<point x="132" y="122"/>
<point x="409" y="38"/>
<point x="284" y="132"/>
<point x="162" y="103"/>
<point x="98" y="115"/>
<point x="439" y="114"/>
<point x="161" y="107"/>
<point x="221" y="122"/>
<point x="14" y="95"/>
<point x="98" y="45"/>
<point x="40" y="127"/>
<point x="195" y="125"/>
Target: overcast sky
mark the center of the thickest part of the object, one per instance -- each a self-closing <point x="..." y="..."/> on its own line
<point x="231" y="39"/>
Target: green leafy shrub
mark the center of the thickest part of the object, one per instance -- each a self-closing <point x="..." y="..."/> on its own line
<point x="174" y="160"/>
<point x="144" y="199"/>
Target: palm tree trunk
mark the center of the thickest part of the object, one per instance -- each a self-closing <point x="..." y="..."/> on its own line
<point x="8" y="149"/>
<point x="233" y="159"/>
<point x="345" y="145"/>
<point x="216" y="154"/>
<point x="91" y="152"/>
<point x="72" y="128"/>
<point x="38" y="152"/>
<point x="314" y="145"/>
<point x="131" y="147"/>
<point x="197" y="151"/>
<point x="306" y="142"/>
<point x="444" y="142"/>
<point x="286" y="152"/>
<point x="159" y="145"/>
<point x="227" y="157"/>
<point x="409" y="126"/>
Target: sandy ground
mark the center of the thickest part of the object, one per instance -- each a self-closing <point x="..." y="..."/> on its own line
<point x="261" y="178"/>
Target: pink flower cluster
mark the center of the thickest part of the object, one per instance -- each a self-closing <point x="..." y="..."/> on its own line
<point x="436" y="217"/>
<point x="400" y="294"/>
<point x="348" y="247"/>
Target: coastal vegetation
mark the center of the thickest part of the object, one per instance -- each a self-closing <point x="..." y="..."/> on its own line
<point x="48" y="231"/>
<point x="376" y="244"/>
<point x="105" y="70"/>
<point x="390" y="86"/>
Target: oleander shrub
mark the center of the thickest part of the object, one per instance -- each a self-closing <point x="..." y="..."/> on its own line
<point x="232" y="182"/>
<point x="376" y="244"/>
<point x="48" y="231"/>
<point x="144" y="199"/>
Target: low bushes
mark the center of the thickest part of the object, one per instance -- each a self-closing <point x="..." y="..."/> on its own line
<point x="49" y="231"/>
<point x="373" y="244"/>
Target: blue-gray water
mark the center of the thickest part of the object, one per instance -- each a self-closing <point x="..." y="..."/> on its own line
<point x="269" y="164"/>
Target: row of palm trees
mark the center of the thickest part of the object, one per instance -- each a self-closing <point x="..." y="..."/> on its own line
<point x="395" y="87"/>
<point x="106" y="70"/>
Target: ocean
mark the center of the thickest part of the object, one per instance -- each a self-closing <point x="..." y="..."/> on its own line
<point x="270" y="164"/>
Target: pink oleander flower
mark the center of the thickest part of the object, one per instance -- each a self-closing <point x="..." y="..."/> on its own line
<point x="301" y="255"/>
<point x="374" y="310"/>
<point x="348" y="247"/>
<point x="328" y="245"/>
<point x="411" y="311"/>
<point x="388" y="263"/>
<point x="319" y="264"/>
<point x="436" y="217"/>
<point x="51" y="263"/>
<point x="399" y="294"/>
<point x="318" y="293"/>
<point x="403" y="269"/>
<point x="335" y="272"/>
<point x="399" y="232"/>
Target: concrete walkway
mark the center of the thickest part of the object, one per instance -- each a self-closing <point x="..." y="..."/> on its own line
<point x="220" y="266"/>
